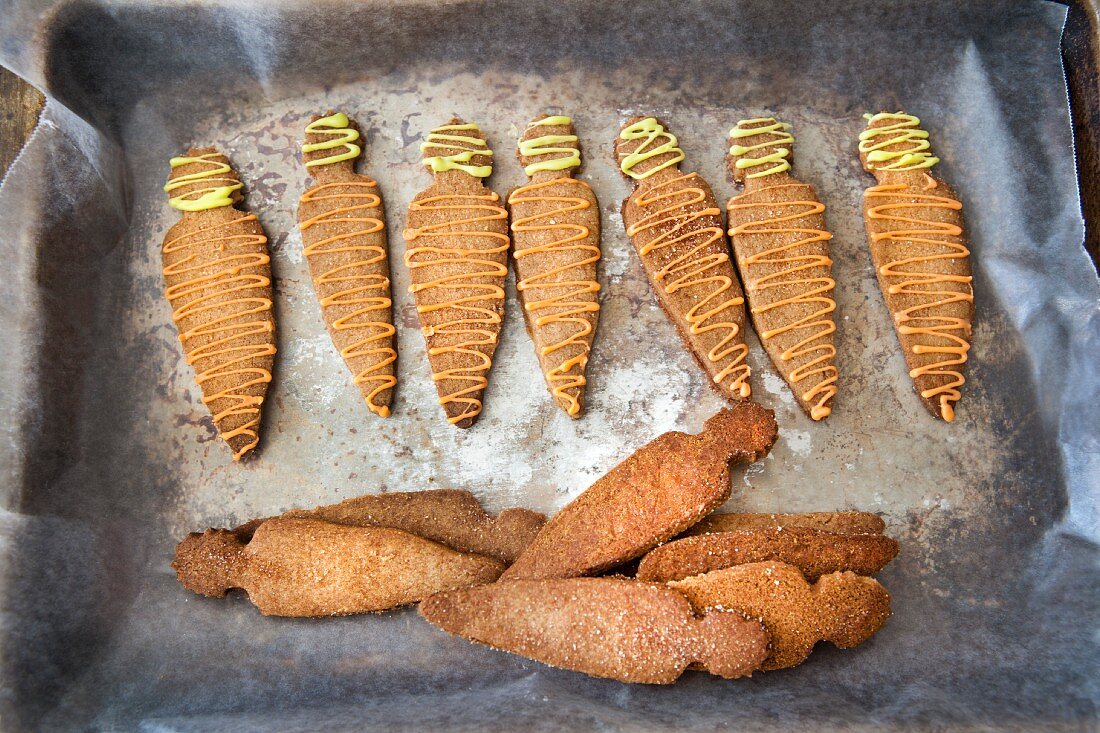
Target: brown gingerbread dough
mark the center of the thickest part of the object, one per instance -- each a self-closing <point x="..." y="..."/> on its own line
<point x="812" y="551"/>
<point x="675" y="224"/>
<point x="844" y="608"/>
<point x="777" y="229"/>
<point x="217" y="274"/>
<point x="344" y="237"/>
<point x="605" y="627"/>
<point x="457" y="254"/>
<point x="661" y="490"/>
<point x="836" y="522"/>
<point x="302" y="567"/>
<point x="918" y="244"/>
<point x="555" y="248"/>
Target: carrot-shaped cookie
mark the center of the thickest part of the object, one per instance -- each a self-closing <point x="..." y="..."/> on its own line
<point x="448" y="516"/>
<point x="844" y="608"/>
<point x="777" y="229"/>
<point x="836" y="522"/>
<point x="676" y="226"/>
<point x="218" y="276"/>
<point x="914" y="224"/>
<point x="556" y="245"/>
<point x="457" y="255"/>
<point x="301" y="567"/>
<point x="606" y="627"/>
<point x="344" y="233"/>
<point x="812" y="551"/>
<point x="661" y="490"/>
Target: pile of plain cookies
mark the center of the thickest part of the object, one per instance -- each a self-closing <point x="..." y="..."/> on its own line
<point x="460" y="236"/>
<point x="728" y="593"/>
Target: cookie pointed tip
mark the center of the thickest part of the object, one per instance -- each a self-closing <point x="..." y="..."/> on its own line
<point x="243" y="453"/>
<point x="735" y="646"/>
<point x="571" y="405"/>
<point x="854" y="608"/>
<point x="462" y="415"/>
<point x="444" y="610"/>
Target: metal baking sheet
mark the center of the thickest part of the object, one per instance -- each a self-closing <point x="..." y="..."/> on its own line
<point x="108" y="455"/>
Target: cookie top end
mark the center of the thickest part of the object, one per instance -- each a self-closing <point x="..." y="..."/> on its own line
<point x="458" y="146"/>
<point x="331" y="139"/>
<point x="645" y="147"/>
<point x="549" y="144"/>
<point x="202" y="179"/>
<point x="895" y="141"/>
<point x="759" y="147"/>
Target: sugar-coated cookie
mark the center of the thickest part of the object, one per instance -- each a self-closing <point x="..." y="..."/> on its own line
<point x="457" y="241"/>
<point x="450" y="517"/>
<point x="344" y="238"/>
<point x="661" y="490"/>
<point x="605" y="627"/>
<point x="555" y="248"/>
<point x="777" y="230"/>
<point x="812" y="551"/>
<point x="918" y="244"/>
<point x="844" y="608"/>
<point x="303" y="567"/>
<point x="217" y="273"/>
<point x="676" y="226"/>
<point x="837" y="522"/>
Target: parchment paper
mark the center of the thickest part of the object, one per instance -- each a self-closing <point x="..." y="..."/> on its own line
<point x="109" y="457"/>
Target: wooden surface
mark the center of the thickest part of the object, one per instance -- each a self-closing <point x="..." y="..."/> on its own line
<point x="20" y="105"/>
<point x="1081" y="51"/>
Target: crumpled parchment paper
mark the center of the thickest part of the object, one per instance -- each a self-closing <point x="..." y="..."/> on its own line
<point x="108" y="455"/>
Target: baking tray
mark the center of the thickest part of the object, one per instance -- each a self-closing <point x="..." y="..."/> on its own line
<point x="110" y="456"/>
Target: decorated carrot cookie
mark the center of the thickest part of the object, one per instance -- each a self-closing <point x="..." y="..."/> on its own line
<point x="556" y="245"/>
<point x="777" y="229"/>
<point x="344" y="234"/>
<point x="457" y="254"/>
<point x="676" y="226"/>
<point x="218" y="277"/>
<point x="914" y="224"/>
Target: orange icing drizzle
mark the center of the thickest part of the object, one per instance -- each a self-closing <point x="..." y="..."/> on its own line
<point x="923" y="284"/>
<point x="229" y="358"/>
<point x="472" y="316"/>
<point x="818" y="324"/>
<point x="367" y="293"/>
<point x="680" y="208"/>
<point x="566" y="306"/>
